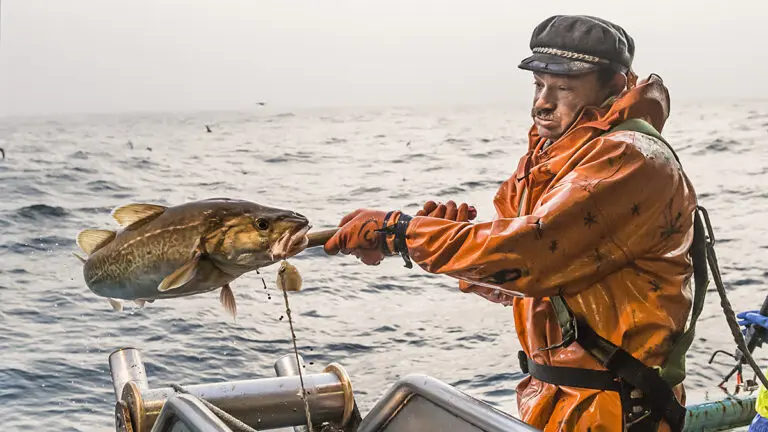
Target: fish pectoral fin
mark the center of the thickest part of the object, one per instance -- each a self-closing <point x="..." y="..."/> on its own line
<point x="140" y="303"/>
<point x="91" y="240"/>
<point x="227" y="298"/>
<point x="79" y="257"/>
<point x="181" y="276"/>
<point x="116" y="305"/>
<point x="129" y="215"/>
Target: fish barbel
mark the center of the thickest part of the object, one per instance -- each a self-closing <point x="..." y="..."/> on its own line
<point x="197" y="247"/>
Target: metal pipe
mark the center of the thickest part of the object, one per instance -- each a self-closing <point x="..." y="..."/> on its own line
<point x="287" y="366"/>
<point x="265" y="403"/>
<point x="125" y="365"/>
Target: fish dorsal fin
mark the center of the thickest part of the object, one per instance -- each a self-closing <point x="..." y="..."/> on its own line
<point x="130" y="214"/>
<point x="91" y="240"/>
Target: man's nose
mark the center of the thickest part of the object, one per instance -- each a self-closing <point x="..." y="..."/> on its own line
<point x="544" y="101"/>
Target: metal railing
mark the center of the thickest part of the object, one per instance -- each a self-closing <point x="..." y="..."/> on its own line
<point x="265" y="403"/>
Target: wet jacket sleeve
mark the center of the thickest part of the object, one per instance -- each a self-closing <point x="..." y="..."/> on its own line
<point x="614" y="204"/>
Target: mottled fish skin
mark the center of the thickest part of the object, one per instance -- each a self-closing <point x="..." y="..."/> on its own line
<point x="133" y="265"/>
<point x="136" y="262"/>
<point x="139" y="260"/>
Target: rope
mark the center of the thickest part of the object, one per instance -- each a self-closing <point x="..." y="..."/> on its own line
<point x="233" y="423"/>
<point x="569" y="54"/>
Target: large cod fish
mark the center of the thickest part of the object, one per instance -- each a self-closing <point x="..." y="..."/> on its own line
<point x="197" y="247"/>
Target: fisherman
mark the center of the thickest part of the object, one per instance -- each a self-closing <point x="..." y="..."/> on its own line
<point x="592" y="232"/>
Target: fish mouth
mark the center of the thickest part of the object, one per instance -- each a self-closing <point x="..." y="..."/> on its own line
<point x="290" y="243"/>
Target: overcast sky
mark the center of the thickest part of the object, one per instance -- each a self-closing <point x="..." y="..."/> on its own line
<point x="62" y="56"/>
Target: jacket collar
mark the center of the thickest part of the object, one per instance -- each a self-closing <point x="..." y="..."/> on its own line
<point x="648" y="100"/>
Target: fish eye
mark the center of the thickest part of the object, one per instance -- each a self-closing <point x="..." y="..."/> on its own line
<point x="261" y="224"/>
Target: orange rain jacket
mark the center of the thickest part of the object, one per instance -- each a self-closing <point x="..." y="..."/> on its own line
<point x="605" y="221"/>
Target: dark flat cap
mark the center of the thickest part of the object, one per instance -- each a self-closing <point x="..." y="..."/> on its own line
<point x="575" y="44"/>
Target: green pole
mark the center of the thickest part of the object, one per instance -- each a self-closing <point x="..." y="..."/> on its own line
<point x="724" y="414"/>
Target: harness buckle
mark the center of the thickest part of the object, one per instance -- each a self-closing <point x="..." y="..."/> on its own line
<point x="566" y="341"/>
<point x="567" y="321"/>
<point x="632" y="418"/>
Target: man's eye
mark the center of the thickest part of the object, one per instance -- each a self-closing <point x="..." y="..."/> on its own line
<point x="564" y="88"/>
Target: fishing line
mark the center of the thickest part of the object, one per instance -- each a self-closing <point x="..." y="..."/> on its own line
<point x="296" y="353"/>
<point x="298" y="365"/>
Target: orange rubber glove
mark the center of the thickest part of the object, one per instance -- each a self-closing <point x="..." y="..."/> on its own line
<point x="449" y="210"/>
<point x="357" y="236"/>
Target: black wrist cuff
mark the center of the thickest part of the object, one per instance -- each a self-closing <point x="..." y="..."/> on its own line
<point x="384" y="232"/>
<point x="401" y="229"/>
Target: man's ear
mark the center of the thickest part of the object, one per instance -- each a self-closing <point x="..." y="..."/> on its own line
<point x="616" y="86"/>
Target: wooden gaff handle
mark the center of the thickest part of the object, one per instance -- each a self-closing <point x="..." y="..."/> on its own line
<point x="319" y="238"/>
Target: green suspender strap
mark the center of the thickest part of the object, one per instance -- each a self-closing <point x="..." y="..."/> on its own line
<point x="655" y="383"/>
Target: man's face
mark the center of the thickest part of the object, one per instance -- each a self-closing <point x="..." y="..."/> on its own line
<point x="558" y="99"/>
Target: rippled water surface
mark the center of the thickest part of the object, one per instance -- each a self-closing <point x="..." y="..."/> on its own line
<point x="62" y="175"/>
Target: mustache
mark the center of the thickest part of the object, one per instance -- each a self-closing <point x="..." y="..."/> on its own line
<point x="545" y="114"/>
